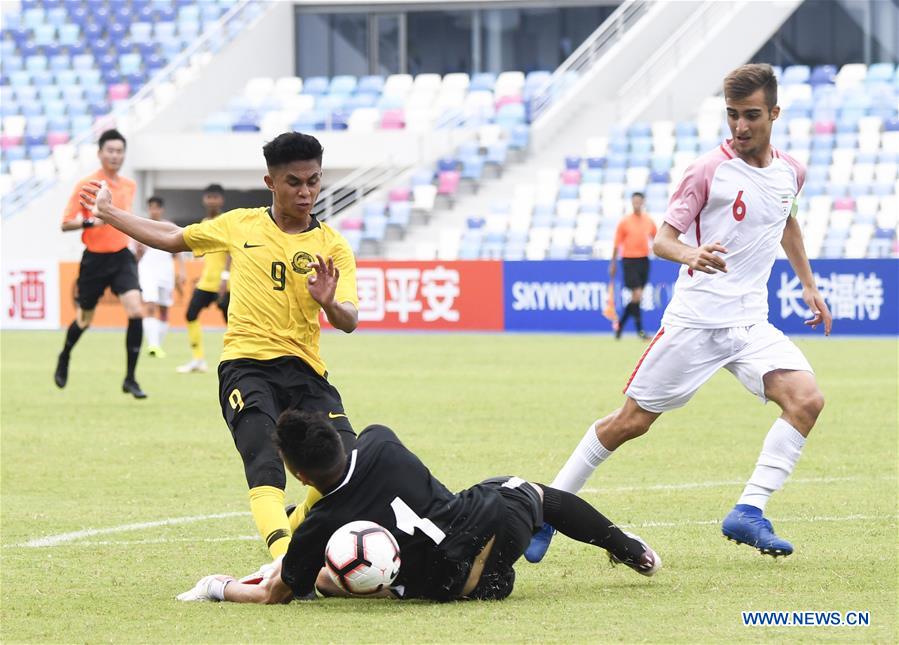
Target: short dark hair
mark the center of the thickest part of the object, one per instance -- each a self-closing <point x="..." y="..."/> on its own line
<point x="309" y="443"/>
<point x="111" y="135"/>
<point x="637" y="193"/>
<point x="747" y="79"/>
<point x="155" y="200"/>
<point x="292" y="146"/>
<point x="214" y="188"/>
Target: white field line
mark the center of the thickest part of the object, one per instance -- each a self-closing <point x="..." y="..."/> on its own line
<point x="641" y="525"/>
<point x="78" y="536"/>
<point x="726" y="482"/>
<point x="62" y="538"/>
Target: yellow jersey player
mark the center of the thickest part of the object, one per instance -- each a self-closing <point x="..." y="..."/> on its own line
<point x="286" y="267"/>
<point x="212" y="286"/>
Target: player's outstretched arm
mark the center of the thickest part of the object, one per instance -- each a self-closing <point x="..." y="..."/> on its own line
<point x="795" y="249"/>
<point x="703" y="258"/>
<point x="166" y="236"/>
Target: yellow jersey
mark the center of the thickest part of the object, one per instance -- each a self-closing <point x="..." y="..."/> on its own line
<point x="211" y="278"/>
<point x="272" y="313"/>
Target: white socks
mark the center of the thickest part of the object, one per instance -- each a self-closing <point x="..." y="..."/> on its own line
<point x="163" y="330"/>
<point x="151" y="331"/>
<point x="582" y="462"/>
<point x="779" y="455"/>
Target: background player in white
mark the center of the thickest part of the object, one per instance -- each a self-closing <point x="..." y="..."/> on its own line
<point x="158" y="280"/>
<point x="734" y="206"/>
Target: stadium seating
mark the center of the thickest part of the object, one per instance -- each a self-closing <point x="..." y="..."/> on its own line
<point x="394" y="102"/>
<point x="65" y="64"/>
<point x="843" y="124"/>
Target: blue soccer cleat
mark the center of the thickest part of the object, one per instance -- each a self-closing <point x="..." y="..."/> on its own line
<point x="539" y="544"/>
<point x="746" y="525"/>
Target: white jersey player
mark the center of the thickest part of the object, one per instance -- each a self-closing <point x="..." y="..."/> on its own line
<point x="732" y="210"/>
<point x="157" y="283"/>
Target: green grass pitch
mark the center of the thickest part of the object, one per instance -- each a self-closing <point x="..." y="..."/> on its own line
<point x="90" y="458"/>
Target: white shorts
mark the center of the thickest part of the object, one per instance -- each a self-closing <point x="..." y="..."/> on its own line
<point x="156" y="286"/>
<point x="680" y="360"/>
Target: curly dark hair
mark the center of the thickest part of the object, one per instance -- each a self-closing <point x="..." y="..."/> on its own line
<point x="309" y="443"/>
<point x="292" y="146"/>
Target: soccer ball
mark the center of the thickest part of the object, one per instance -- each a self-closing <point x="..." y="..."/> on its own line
<point x="362" y="557"/>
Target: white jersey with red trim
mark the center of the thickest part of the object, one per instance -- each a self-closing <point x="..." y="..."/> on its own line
<point x="723" y="199"/>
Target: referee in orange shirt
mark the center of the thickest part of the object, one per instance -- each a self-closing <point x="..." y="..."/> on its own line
<point x="107" y="262"/>
<point x="633" y="236"/>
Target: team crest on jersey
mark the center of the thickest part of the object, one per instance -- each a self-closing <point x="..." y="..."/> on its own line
<point x="300" y="262"/>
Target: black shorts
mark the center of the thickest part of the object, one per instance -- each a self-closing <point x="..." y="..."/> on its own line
<point x="636" y="272"/>
<point x="523" y="518"/>
<point x="276" y="385"/>
<point x="117" y="271"/>
<point x="200" y="299"/>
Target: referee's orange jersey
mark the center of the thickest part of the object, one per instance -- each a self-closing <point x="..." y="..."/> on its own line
<point x="102" y="238"/>
<point x="634" y="234"/>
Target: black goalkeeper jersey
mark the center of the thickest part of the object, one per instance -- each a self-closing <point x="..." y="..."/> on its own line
<point x="439" y="533"/>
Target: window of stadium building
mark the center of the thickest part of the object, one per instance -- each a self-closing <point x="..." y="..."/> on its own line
<point x="423" y="40"/>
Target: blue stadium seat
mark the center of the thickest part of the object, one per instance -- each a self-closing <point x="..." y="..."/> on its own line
<point x="592" y="176"/>
<point x="568" y="191"/>
<point x="39" y="152"/>
<point x="483" y="82"/>
<point x="796" y="74"/>
<point x="423" y="177"/>
<point x="399" y="214"/>
<point x="39" y="79"/>
<point x="316" y="85"/>
<point x="60" y="63"/>
<point x="880" y="72"/>
<point x="370" y="85"/>
<point x="596" y="163"/>
<point x="343" y="84"/>
<point x="823" y="75"/>
<point x="36" y="64"/>
<point x="374" y="228"/>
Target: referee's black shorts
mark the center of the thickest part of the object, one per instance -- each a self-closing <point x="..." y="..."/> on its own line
<point x="636" y="272"/>
<point x="523" y="517"/>
<point x="118" y="271"/>
<point x="278" y="384"/>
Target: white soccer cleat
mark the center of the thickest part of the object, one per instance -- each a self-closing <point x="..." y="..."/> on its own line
<point x="200" y="592"/>
<point x="649" y="562"/>
<point x="195" y="365"/>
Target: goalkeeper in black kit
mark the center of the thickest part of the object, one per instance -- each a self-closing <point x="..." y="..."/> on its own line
<point x="453" y="546"/>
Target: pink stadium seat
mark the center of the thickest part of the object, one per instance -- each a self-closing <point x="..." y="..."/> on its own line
<point x="393" y="120"/>
<point x="119" y="91"/>
<point x="351" y="224"/>
<point x="448" y="182"/>
<point x="507" y="100"/>
<point x="56" y="138"/>
<point x="400" y="194"/>
<point x="825" y="127"/>
<point x="571" y="177"/>
<point x="844" y="204"/>
<point x="10" y="141"/>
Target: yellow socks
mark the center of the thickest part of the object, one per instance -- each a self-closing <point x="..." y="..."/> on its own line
<point x="267" y="506"/>
<point x="195" y="336"/>
<point x="299" y="513"/>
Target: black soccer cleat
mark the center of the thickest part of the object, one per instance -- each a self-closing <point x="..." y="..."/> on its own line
<point x="130" y="386"/>
<point x="61" y="376"/>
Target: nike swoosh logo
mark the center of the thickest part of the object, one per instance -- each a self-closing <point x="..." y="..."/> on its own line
<point x="333" y="415"/>
<point x="247" y="245"/>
